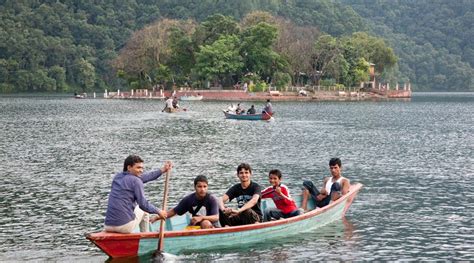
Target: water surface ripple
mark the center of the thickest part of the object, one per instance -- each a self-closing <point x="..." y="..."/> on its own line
<point x="415" y="158"/>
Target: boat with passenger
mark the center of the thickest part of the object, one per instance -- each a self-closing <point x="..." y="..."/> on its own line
<point x="80" y="96"/>
<point x="178" y="237"/>
<point x="251" y="117"/>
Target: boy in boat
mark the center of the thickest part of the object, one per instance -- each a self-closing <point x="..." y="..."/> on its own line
<point x="127" y="206"/>
<point x="333" y="187"/>
<point x="193" y="203"/>
<point x="268" y="108"/>
<point x="285" y="206"/>
<point x="239" y="109"/>
<point x="251" y="110"/>
<point x="175" y="103"/>
<point x="168" y="105"/>
<point x="247" y="194"/>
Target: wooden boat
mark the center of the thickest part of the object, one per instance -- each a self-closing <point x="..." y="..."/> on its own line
<point x="187" y="98"/>
<point x="177" y="239"/>
<point x="251" y="117"/>
<point x="173" y="110"/>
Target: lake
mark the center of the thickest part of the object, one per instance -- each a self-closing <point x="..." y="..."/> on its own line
<point x="415" y="158"/>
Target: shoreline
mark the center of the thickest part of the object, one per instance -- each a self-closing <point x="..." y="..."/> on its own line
<point x="240" y="95"/>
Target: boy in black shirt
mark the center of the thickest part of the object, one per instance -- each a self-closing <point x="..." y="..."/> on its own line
<point x="193" y="203"/>
<point x="247" y="194"/>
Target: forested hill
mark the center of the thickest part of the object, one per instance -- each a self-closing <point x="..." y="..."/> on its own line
<point x="67" y="45"/>
<point x="433" y="38"/>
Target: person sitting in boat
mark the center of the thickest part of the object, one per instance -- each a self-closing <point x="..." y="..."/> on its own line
<point x="168" y="105"/>
<point x="231" y="108"/>
<point x="193" y="203"/>
<point x="239" y="109"/>
<point x="251" y="110"/>
<point x="279" y="193"/>
<point x="247" y="193"/>
<point x="175" y="103"/>
<point x="127" y="206"/>
<point x="268" y="108"/>
<point x="333" y="187"/>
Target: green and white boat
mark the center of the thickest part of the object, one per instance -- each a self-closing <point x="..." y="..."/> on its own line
<point x="177" y="239"/>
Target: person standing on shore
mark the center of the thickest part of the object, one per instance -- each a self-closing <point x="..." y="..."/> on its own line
<point x="127" y="206"/>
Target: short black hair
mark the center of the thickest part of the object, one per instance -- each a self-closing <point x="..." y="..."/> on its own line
<point x="200" y="178"/>
<point x="245" y="166"/>
<point x="275" y="172"/>
<point x="335" y="161"/>
<point x="131" y="160"/>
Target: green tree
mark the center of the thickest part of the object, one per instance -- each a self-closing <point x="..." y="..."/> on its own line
<point x="214" y="27"/>
<point x="219" y="60"/>
<point x="257" y="52"/>
<point x="58" y="74"/>
<point x="326" y="50"/>
<point x="85" y="75"/>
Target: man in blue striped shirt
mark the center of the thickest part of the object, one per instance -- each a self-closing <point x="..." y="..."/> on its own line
<point x="127" y="206"/>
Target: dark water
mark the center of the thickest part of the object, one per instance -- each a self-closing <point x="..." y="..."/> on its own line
<point x="415" y="158"/>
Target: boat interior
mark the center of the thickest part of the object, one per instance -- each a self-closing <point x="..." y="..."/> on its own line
<point x="179" y="223"/>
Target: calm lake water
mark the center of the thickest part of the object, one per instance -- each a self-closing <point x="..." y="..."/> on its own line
<point x="415" y="158"/>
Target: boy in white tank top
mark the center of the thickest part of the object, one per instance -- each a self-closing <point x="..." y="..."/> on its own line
<point x="333" y="187"/>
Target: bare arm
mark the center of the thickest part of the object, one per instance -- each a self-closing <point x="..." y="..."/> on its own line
<point x="346" y="185"/>
<point x="323" y="189"/>
<point x="222" y="201"/>
<point x="163" y="215"/>
<point x="345" y="189"/>
<point x="282" y="193"/>
<point x="171" y="213"/>
<point x="249" y="204"/>
<point x="199" y="218"/>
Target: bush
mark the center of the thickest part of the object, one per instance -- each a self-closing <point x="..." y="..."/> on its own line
<point x="261" y="86"/>
<point x="327" y="82"/>
<point x="281" y="80"/>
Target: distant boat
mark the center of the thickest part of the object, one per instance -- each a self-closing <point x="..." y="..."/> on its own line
<point x="80" y="96"/>
<point x="251" y="117"/>
<point x="178" y="239"/>
<point x="173" y="110"/>
<point x="191" y="97"/>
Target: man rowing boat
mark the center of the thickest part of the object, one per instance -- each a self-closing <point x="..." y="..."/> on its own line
<point x="127" y="206"/>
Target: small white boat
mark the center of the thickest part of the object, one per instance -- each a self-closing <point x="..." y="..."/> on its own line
<point x="191" y="97"/>
<point x="80" y="96"/>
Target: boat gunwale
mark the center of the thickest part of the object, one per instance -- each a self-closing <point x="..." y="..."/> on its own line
<point x="354" y="189"/>
<point x="191" y="98"/>
<point x="234" y="116"/>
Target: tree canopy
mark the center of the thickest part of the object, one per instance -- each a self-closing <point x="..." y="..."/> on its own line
<point x="258" y="48"/>
<point x="68" y="46"/>
<point x="432" y="38"/>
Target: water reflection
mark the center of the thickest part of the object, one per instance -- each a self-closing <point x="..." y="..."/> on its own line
<point x="156" y="257"/>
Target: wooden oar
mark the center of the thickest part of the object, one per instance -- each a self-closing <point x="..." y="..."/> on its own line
<point x="163" y="222"/>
